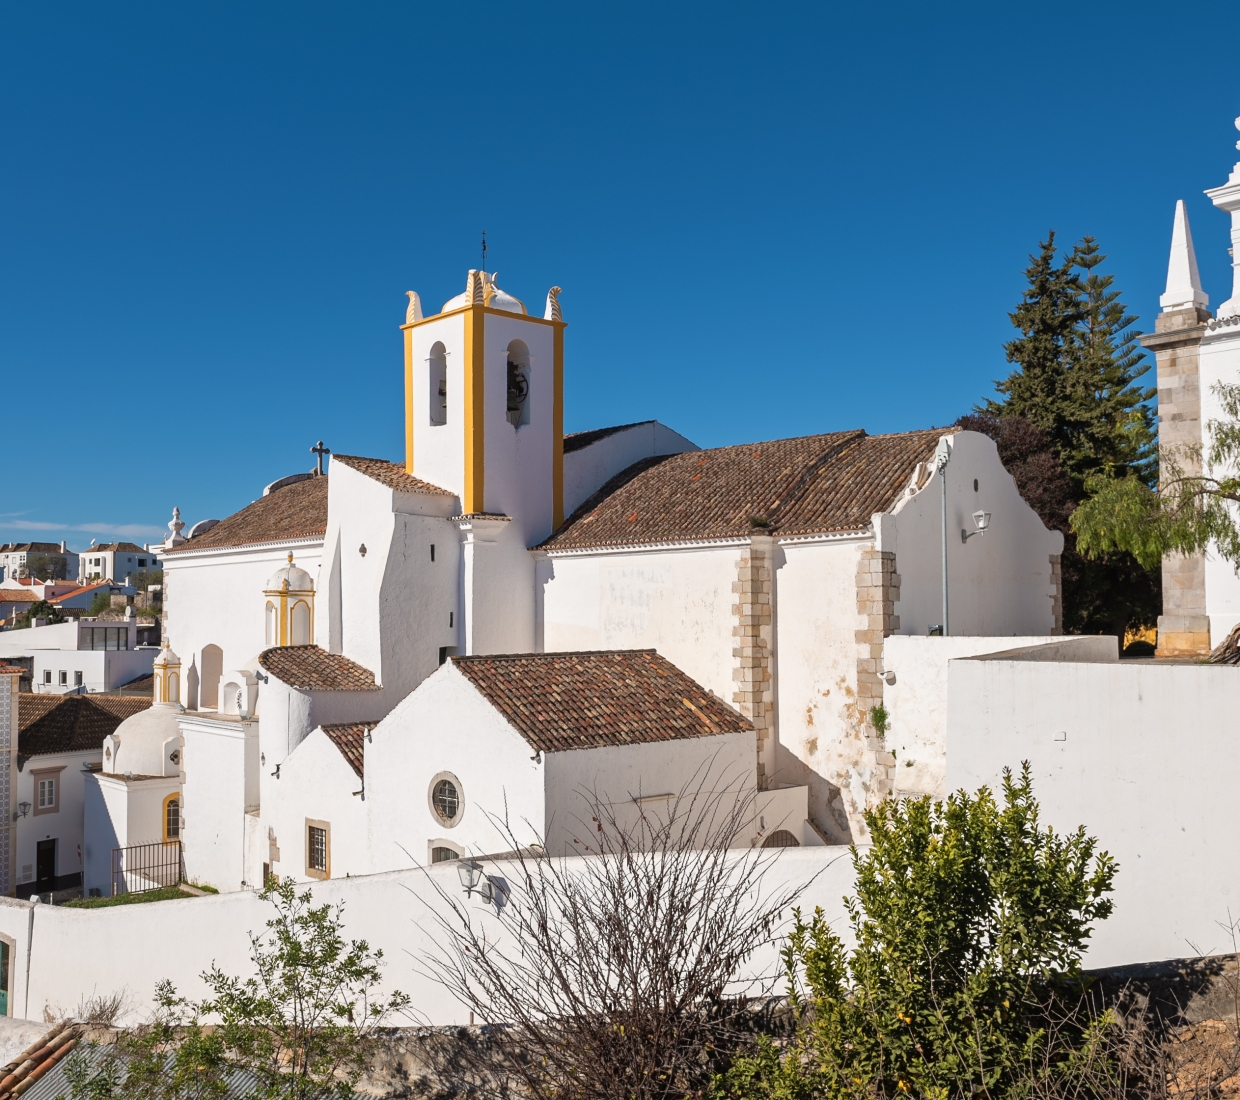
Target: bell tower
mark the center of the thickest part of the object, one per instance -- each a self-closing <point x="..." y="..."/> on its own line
<point x="484" y="404"/>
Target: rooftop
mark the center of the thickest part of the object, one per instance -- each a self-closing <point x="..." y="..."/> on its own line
<point x="575" y="441"/>
<point x="296" y="511"/>
<point x="309" y="668"/>
<point x="348" y="738"/>
<point x="391" y="474"/>
<point x="121" y="547"/>
<point x="70" y="723"/>
<point x="562" y="701"/>
<point x="810" y="485"/>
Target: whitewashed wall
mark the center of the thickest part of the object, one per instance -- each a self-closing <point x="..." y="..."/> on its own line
<point x="102" y="670"/>
<point x="915" y="695"/>
<point x="998" y="583"/>
<point x="587" y="470"/>
<point x="678" y="601"/>
<point x="1143" y="754"/>
<point x="63" y="956"/>
<point x="1219" y="362"/>
<point x="220" y="757"/>
<point x="497" y="589"/>
<point x="65" y="825"/>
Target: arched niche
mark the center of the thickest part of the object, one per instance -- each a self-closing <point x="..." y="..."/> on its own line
<point x="300" y="624"/>
<point x="438" y="375"/>
<point x="209" y="678"/>
<point x="273" y="624"/>
<point x="518" y="383"/>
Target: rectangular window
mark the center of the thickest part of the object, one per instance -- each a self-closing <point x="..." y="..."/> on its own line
<point x="47" y="793"/>
<point x="77" y="679"/>
<point x="47" y="675"/>
<point x="142" y="563"/>
<point x="46" y="790"/>
<point x="64" y="678"/>
<point x="318" y="849"/>
<point x="432" y="551"/>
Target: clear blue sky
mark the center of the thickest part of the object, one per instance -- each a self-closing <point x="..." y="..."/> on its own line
<point x="768" y="220"/>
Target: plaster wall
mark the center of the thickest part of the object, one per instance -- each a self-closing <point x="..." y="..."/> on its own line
<point x="58" y="963"/>
<point x="497" y="608"/>
<point x="678" y="601"/>
<point x="998" y="583"/>
<point x="219" y="756"/>
<point x="101" y="670"/>
<point x="105" y="826"/>
<point x="439" y="449"/>
<point x="1219" y="360"/>
<point x="821" y="736"/>
<point x="1143" y="754"/>
<point x="315" y="783"/>
<point x="215" y="597"/>
<point x="915" y="695"/>
<point x="447" y="726"/>
<point x="590" y="468"/>
<point x="65" y="824"/>
<point x="709" y="772"/>
<point x="57" y="636"/>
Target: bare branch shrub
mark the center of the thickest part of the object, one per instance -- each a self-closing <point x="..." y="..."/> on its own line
<point x="620" y="973"/>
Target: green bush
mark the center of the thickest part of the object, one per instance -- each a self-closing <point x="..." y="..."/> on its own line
<point x="41" y="609"/>
<point x="969" y="919"/>
<point x="100" y="602"/>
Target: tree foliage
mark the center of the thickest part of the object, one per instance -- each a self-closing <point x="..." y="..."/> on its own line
<point x="1188" y="511"/>
<point x="41" y="609"/>
<point x="300" y="1028"/>
<point x="1079" y="366"/>
<point x="968" y="916"/>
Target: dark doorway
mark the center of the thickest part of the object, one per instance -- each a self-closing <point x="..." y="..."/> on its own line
<point x="45" y="866"/>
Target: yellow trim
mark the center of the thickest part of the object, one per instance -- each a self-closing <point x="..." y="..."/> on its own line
<point x="485" y="309"/>
<point x="409" y="401"/>
<point x="557" y="428"/>
<point x="169" y="839"/>
<point x="474" y="409"/>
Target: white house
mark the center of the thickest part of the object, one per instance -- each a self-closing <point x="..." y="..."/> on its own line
<point x="80" y="654"/>
<point x="20" y="559"/>
<point x="114" y="561"/>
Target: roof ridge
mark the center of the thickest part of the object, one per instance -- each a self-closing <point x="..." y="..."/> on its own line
<point x="552" y="653"/>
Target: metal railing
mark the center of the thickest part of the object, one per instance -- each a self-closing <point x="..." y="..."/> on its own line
<point x="143" y="867"/>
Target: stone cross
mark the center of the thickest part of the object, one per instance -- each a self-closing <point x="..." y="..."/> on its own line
<point x="320" y="451"/>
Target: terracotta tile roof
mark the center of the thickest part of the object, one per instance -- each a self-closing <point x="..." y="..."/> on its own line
<point x="391" y="474"/>
<point x="113" y="547"/>
<point x="348" y="737"/>
<point x="560" y="701"/>
<point x="17" y="595"/>
<point x="71" y="723"/>
<point x="40" y="1059"/>
<point x="309" y="668"/>
<point x="297" y="511"/>
<point x="811" y="485"/>
<point x="9" y="670"/>
<point x="575" y="441"/>
<point x="38" y="547"/>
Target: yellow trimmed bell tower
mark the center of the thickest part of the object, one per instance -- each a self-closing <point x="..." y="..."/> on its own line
<point x="289" y="611"/>
<point x="484" y="403"/>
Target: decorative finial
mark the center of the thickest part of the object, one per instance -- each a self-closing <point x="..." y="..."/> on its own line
<point x="290" y="557"/>
<point x="175" y="525"/>
<point x="553" y="305"/>
<point x="321" y="452"/>
<point x="475" y="287"/>
<point x="414" y="312"/>
<point x="1238" y="128"/>
<point x="1183" y="280"/>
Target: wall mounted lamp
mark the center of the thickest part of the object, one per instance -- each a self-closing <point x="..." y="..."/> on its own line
<point x="23" y="808"/>
<point x="982" y="520"/>
<point x="473" y="879"/>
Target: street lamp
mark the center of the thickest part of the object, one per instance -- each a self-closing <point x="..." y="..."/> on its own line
<point x="472" y="879"/>
<point x="982" y="520"/>
<point x="23" y="808"/>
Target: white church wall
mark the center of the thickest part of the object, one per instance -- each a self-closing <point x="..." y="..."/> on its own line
<point x="219" y="757"/>
<point x="58" y="962"/>
<point x="446" y="726"/>
<point x="677" y="601"/>
<point x="439" y="449"/>
<point x="316" y="784"/>
<point x="497" y="589"/>
<point x="998" y="583"/>
<point x="587" y="470"/>
<point x="915" y="695"/>
<point x="1219" y="363"/>
<point x="215" y="598"/>
<point x="1141" y="753"/>
<point x="633" y="779"/>
<point x="105" y="826"/>
<point x="64" y="825"/>
<point x="820" y="736"/>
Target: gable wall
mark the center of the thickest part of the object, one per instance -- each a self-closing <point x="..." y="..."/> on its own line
<point x="587" y="470"/>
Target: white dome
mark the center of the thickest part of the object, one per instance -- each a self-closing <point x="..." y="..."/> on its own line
<point x="166" y="657"/>
<point x="138" y="742"/>
<point x="298" y="579"/>
<point x="495" y="298"/>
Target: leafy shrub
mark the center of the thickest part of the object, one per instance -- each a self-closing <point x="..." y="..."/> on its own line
<point x="969" y="919"/>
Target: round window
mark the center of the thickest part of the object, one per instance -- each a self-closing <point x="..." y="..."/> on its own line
<point x="446" y="801"/>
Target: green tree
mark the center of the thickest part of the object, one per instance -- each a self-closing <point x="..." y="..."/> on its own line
<point x="301" y="1028"/>
<point x="100" y="602"/>
<point x="44" y="567"/>
<point x="1079" y="366"/>
<point x="968" y="918"/>
<point x="41" y="609"/>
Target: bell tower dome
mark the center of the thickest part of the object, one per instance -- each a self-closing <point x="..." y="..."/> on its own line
<point x="484" y="404"/>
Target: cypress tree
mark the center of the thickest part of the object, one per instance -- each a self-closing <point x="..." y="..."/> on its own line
<point x="1078" y="366"/>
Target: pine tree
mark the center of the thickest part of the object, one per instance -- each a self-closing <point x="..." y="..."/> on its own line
<point x="1078" y="368"/>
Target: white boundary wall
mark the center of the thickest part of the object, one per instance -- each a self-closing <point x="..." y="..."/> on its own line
<point x="62" y="956"/>
<point x="1145" y="756"/>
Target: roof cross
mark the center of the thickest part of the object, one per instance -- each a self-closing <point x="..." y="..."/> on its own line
<point x="320" y="450"/>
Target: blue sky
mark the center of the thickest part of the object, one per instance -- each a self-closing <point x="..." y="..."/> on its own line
<point x="767" y="220"/>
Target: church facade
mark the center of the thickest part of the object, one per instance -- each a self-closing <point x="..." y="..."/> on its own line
<point x="484" y="614"/>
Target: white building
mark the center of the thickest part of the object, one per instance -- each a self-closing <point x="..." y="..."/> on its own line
<point x="80" y="654"/>
<point x="767" y="574"/>
<point x="19" y="560"/>
<point x="115" y="561"/>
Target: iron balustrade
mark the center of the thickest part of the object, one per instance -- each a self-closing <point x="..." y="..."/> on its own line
<point x="143" y="867"/>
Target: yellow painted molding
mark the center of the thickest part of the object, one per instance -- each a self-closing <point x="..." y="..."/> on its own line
<point x="474" y="409"/>
<point x="408" y="401"/>
<point x="557" y="427"/>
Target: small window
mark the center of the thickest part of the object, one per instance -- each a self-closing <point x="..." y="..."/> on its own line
<point x="47" y="675"/>
<point x="443" y="855"/>
<point x="432" y="551"/>
<point x="438" y="376"/>
<point x="47" y="794"/>
<point x="172" y="819"/>
<point x="447" y="801"/>
<point x="64" y="678"/>
<point x="518" y="384"/>
<point x="318" y="849"/>
<point x="445" y="798"/>
<point x="77" y="679"/>
<point x="142" y="562"/>
<point x="975" y="485"/>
